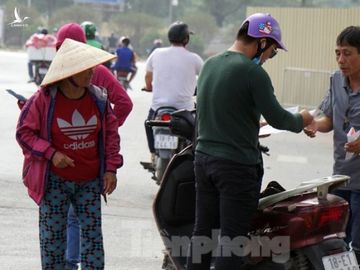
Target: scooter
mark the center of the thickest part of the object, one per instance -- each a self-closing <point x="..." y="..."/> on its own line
<point x="298" y="229"/>
<point x="41" y="68"/>
<point x="123" y="78"/>
<point x="167" y="140"/>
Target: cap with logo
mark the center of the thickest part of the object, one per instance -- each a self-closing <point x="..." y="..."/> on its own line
<point x="263" y="25"/>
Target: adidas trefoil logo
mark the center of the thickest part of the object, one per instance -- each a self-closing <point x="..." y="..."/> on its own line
<point x="78" y="129"/>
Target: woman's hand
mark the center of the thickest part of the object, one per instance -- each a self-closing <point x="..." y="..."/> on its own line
<point x="110" y="182"/>
<point x="61" y="160"/>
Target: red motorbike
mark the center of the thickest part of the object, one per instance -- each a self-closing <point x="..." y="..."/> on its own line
<point x="298" y="229"/>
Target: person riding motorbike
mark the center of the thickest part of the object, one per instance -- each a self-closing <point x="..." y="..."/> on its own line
<point x="126" y="59"/>
<point x="171" y="74"/>
<point x="38" y="41"/>
<point x="90" y="33"/>
<point x="157" y="43"/>
<point x="91" y="38"/>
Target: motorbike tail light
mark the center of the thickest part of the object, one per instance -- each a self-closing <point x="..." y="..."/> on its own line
<point x="166" y="117"/>
<point x="331" y="214"/>
<point x="321" y="216"/>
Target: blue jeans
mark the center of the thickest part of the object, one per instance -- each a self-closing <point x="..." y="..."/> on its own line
<point x="30" y="70"/>
<point x="227" y="195"/>
<point x="352" y="228"/>
<point x="73" y="241"/>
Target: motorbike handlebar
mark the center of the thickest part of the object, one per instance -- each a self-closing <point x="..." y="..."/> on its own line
<point x="157" y="123"/>
<point x="264" y="149"/>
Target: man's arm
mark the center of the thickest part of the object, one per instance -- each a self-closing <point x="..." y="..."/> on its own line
<point x="322" y="124"/>
<point x="148" y="80"/>
<point x="117" y="94"/>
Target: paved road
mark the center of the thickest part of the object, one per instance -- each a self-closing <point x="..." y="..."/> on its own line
<point x="131" y="238"/>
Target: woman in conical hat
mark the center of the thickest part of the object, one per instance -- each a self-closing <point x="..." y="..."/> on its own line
<point x="68" y="134"/>
<point x="122" y="106"/>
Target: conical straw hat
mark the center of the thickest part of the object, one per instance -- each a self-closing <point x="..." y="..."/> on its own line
<point x="74" y="57"/>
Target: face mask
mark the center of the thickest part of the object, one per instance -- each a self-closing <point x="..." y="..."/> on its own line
<point x="257" y="60"/>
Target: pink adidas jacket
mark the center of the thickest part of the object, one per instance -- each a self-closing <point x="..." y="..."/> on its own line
<point x="33" y="135"/>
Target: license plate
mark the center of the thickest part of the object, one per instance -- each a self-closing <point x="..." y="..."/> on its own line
<point x="43" y="71"/>
<point x="165" y="141"/>
<point x="341" y="261"/>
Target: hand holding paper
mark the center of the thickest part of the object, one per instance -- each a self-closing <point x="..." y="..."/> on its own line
<point x="353" y="144"/>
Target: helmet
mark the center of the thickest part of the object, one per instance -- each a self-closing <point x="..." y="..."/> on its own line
<point x="42" y="30"/>
<point x="157" y="41"/>
<point x="263" y="25"/>
<point x="178" y="32"/>
<point x="89" y="29"/>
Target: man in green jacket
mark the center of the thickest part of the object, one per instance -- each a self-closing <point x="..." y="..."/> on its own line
<point x="233" y="92"/>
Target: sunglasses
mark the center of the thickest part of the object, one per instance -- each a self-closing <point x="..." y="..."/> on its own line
<point x="273" y="52"/>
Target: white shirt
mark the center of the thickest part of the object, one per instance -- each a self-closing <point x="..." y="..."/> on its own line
<point x="174" y="71"/>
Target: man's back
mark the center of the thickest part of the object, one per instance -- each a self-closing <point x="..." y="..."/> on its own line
<point x="94" y="43"/>
<point x="174" y="76"/>
<point x="125" y="58"/>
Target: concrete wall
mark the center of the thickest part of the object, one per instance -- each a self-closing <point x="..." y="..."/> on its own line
<point x="310" y="37"/>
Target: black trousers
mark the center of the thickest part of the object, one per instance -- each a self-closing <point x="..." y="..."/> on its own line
<point x="149" y="132"/>
<point x="227" y="195"/>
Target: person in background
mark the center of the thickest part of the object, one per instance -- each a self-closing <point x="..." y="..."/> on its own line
<point x="90" y="33"/>
<point x="35" y="40"/>
<point x="156" y="44"/>
<point x="112" y="41"/>
<point x="92" y="39"/>
<point x="126" y="59"/>
<point x="341" y="110"/>
<point x="233" y="91"/>
<point x="171" y="74"/>
<point x="69" y="137"/>
<point x="122" y="107"/>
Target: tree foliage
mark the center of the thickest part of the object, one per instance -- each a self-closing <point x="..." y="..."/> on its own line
<point x="76" y="13"/>
<point x="136" y="26"/>
<point x="145" y="20"/>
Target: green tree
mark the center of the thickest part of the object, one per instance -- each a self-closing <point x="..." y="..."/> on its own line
<point x="75" y="13"/>
<point x="136" y="26"/>
<point x="220" y="9"/>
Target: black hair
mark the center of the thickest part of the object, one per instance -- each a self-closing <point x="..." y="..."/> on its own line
<point x="179" y="33"/>
<point x="349" y="36"/>
<point x="126" y="41"/>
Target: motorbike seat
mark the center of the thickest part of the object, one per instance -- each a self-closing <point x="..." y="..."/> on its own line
<point x="175" y="203"/>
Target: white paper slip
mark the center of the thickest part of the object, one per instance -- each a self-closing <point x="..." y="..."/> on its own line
<point x="351" y="136"/>
<point x="267" y="129"/>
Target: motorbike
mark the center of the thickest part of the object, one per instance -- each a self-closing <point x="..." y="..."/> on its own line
<point x="297" y="229"/>
<point x="41" y="50"/>
<point x="167" y="140"/>
<point x="40" y="70"/>
<point x="123" y="78"/>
